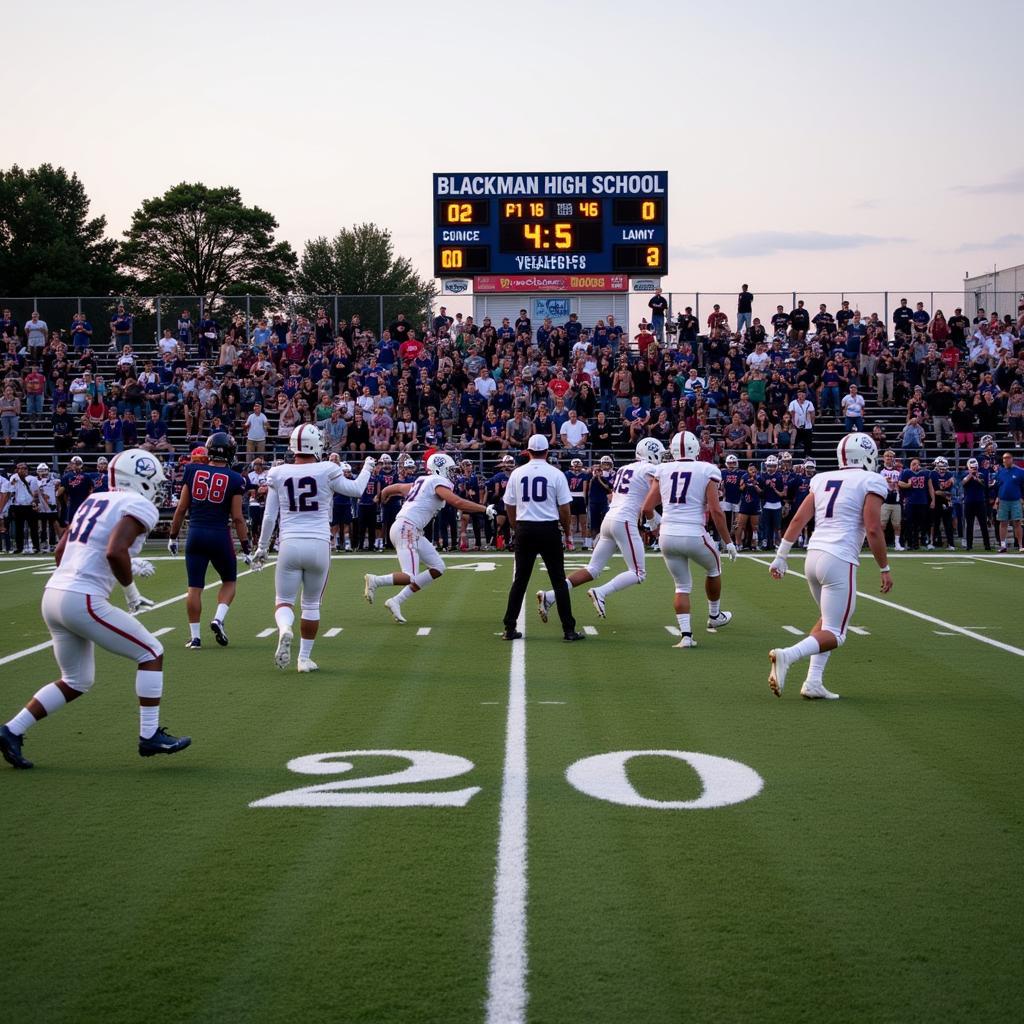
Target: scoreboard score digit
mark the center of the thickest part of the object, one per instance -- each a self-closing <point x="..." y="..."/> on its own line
<point x="601" y="223"/>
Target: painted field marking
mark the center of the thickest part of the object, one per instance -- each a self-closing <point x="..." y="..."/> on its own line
<point x="859" y="630"/>
<point x="263" y="633"/>
<point x="42" y="572"/>
<point x="549" y="702"/>
<point x="21" y="568"/>
<point x="423" y="631"/>
<point x="333" y="632"/>
<point x="160" y="604"/>
<point x="590" y="630"/>
<point x="674" y="630"/>
<point x="506" y="982"/>
<point x="984" y="561"/>
<point x="489" y="703"/>
<point x="942" y="632"/>
<point x="160" y="632"/>
<point x="962" y="630"/>
<point x="793" y="630"/>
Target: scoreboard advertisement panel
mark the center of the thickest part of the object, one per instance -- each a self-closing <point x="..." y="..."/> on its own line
<point x="603" y="222"/>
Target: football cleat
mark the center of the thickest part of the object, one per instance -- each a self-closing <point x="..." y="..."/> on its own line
<point x="719" y="620"/>
<point x="369" y="587"/>
<point x="395" y="608"/>
<point x="542" y="606"/>
<point x="283" y="654"/>
<point x="194" y="644"/>
<point x="217" y="628"/>
<point x="511" y="634"/>
<point x="10" y="748"/>
<point x="162" y="742"/>
<point x="598" y="602"/>
<point x="571" y="638"/>
<point x="307" y="665"/>
<point x="777" y="673"/>
<point x="686" y="641"/>
<point x="817" y="691"/>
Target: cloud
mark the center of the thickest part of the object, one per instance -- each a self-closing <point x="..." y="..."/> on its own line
<point x="770" y="243"/>
<point x="1012" y="184"/>
<point x="1002" y="242"/>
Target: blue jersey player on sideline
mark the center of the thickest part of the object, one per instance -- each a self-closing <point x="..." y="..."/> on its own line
<point x="75" y="486"/>
<point x="211" y="494"/>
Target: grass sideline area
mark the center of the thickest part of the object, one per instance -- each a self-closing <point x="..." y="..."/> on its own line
<point x="872" y="876"/>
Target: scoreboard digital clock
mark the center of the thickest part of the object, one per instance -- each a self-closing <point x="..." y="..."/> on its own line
<point x="607" y="222"/>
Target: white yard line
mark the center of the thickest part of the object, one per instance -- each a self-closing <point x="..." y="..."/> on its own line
<point x="859" y="630"/>
<point x="423" y="631"/>
<point x="995" y="561"/>
<point x="264" y="633"/>
<point x="590" y="630"/>
<point x="506" y="983"/>
<point x="161" y="632"/>
<point x="962" y="630"/>
<point x="793" y="630"/>
<point x="674" y="630"/>
<point x="21" y="568"/>
<point x="333" y="632"/>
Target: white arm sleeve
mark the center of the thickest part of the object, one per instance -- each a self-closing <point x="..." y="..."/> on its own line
<point x="270" y="514"/>
<point x="340" y="484"/>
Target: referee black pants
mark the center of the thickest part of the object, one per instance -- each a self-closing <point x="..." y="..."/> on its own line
<point x="544" y="539"/>
<point x="24" y="526"/>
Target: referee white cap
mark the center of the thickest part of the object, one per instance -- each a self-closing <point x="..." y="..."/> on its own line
<point x="538" y="443"/>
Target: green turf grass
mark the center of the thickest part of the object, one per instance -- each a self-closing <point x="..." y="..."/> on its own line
<point x="875" y="877"/>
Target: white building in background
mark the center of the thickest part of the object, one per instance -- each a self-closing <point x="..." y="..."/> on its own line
<point x="999" y="291"/>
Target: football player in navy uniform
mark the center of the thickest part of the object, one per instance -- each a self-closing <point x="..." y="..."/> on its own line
<point x="341" y="510"/>
<point x="75" y="486"/>
<point x="496" y="496"/>
<point x="467" y="485"/>
<point x="577" y="477"/>
<point x="99" y="478"/>
<point x="366" y="516"/>
<point x="942" y="515"/>
<point x="731" y="476"/>
<point x="749" y="511"/>
<point x="599" y="490"/>
<point x="798" y="488"/>
<point x="916" y="483"/>
<point x="387" y="474"/>
<point x="211" y="494"/>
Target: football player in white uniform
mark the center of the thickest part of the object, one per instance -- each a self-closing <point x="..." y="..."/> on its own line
<point x="99" y="547"/>
<point x="302" y="495"/>
<point x="46" y="503"/>
<point x="619" y="531"/>
<point x="423" y="500"/>
<point x="846" y="505"/>
<point x="687" y="491"/>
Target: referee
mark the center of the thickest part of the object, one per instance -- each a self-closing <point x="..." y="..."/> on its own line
<point x="536" y="499"/>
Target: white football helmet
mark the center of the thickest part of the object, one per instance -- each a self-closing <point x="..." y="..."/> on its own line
<point x="346" y="468"/>
<point x="650" y="449"/>
<point x="76" y="463"/>
<point x="576" y="464"/>
<point x="972" y="463"/>
<point x="307" y="439"/>
<point x="857" y="450"/>
<point x="685" y="445"/>
<point x="138" y="471"/>
<point x="810" y="467"/>
<point x="408" y="463"/>
<point x="607" y="461"/>
<point x="771" y="464"/>
<point x="43" y="470"/>
<point x="441" y="464"/>
<point x="786" y="457"/>
<point x="385" y="460"/>
<point x="507" y="462"/>
<point x="941" y="462"/>
<point x="987" y="440"/>
<point x="731" y="462"/>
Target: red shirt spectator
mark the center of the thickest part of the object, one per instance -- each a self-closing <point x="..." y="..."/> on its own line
<point x="96" y="410"/>
<point x="410" y="350"/>
<point x="951" y="356"/>
<point x="643" y="341"/>
<point x="35" y="382"/>
<point x="717" y="318"/>
<point x="559" y="387"/>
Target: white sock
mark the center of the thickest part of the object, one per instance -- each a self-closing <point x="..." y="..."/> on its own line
<point x="816" y="668"/>
<point x="620" y="582"/>
<point x="284" y="617"/>
<point x="423" y="579"/>
<point x="804" y="649"/>
<point x="193" y="628"/>
<point x="683" y="618"/>
<point x="403" y="595"/>
<point x="714" y="607"/>
<point x="387" y="580"/>
<point x="52" y="699"/>
<point x="549" y="595"/>
<point x="222" y="613"/>
<point x="149" y="684"/>
<point x="305" y="648"/>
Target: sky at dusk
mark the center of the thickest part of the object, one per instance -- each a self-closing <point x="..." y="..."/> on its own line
<point x="809" y="145"/>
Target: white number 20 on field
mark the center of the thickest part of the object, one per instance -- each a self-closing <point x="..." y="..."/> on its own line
<point x="603" y="776"/>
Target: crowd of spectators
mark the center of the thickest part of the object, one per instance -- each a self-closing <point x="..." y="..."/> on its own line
<point x="451" y="383"/>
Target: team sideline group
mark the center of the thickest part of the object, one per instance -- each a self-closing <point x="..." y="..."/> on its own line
<point x="104" y="537"/>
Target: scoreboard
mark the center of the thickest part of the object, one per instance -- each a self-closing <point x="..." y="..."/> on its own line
<point x="606" y="222"/>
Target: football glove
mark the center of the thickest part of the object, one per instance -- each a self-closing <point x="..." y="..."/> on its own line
<point x="172" y="545"/>
<point x="136" y="602"/>
<point x="143" y="568"/>
<point x="569" y="546"/>
<point x="247" y="559"/>
<point x="369" y="464"/>
<point x="491" y="512"/>
<point x="778" y="567"/>
<point x="730" y="550"/>
<point x="259" y="559"/>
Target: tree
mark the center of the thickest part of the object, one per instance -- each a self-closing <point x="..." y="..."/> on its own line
<point x="361" y="260"/>
<point x="48" y="243"/>
<point x="196" y="240"/>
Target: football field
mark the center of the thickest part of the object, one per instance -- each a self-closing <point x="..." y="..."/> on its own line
<point x="441" y="826"/>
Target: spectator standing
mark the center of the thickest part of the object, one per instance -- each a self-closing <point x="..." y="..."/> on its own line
<point x="121" y="324"/>
<point x="744" y="310"/>
<point x="853" y="410"/>
<point x="658" y="306"/>
<point x="977" y="490"/>
<point x="36" y="333"/>
<point x="23" y="515"/>
<point x="257" y="427"/>
<point x="1009" y="487"/>
<point x="10" y="414"/>
<point x="802" y="412"/>
<point x="81" y="332"/>
<point x="35" y="387"/>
